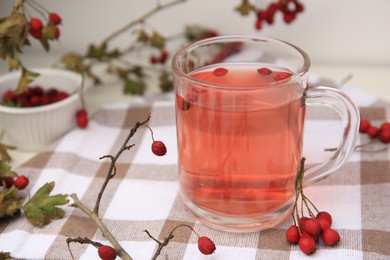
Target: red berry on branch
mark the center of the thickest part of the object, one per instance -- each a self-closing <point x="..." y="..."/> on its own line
<point x="55" y="18"/>
<point x="163" y="56"/>
<point x="21" y="182"/>
<point x="36" y="34"/>
<point x="259" y="24"/>
<point x="107" y="253"/>
<point x="384" y="136"/>
<point x="325" y="215"/>
<point x="311" y="227"/>
<point x="206" y="246"/>
<point x="292" y="234"/>
<point x="35" y="24"/>
<point x="385" y="126"/>
<point x="373" y="131"/>
<point x="8" y="181"/>
<point x="159" y="148"/>
<point x="220" y="72"/>
<point x="307" y="244"/>
<point x="82" y="118"/>
<point x="324" y="224"/>
<point x="57" y="33"/>
<point x="364" y="126"/>
<point x="330" y="236"/>
<point x="289" y="17"/>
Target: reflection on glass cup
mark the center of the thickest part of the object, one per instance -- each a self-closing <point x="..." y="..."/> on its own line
<point x="240" y="113"/>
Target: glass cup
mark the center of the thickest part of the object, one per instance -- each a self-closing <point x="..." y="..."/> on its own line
<point x="240" y="112"/>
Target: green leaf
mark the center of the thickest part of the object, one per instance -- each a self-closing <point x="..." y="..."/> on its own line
<point x="134" y="87"/>
<point x="42" y="208"/>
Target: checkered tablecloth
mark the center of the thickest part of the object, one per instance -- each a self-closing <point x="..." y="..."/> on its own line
<point x="144" y="193"/>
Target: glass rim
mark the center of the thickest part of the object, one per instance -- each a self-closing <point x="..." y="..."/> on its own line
<point x="301" y="72"/>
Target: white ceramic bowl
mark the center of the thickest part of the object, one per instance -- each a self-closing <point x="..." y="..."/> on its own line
<point x="34" y="128"/>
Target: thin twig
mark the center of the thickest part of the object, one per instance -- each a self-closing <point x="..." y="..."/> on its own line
<point x="112" y="170"/>
<point x="81" y="240"/>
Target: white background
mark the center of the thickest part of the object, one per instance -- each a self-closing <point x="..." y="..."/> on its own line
<point x="331" y="31"/>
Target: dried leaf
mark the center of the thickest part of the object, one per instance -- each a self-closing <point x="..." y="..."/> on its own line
<point x="5" y="255"/>
<point x="157" y="40"/>
<point x="26" y="78"/>
<point x="142" y="36"/>
<point x="135" y="87"/>
<point x="9" y="202"/>
<point x="5" y="169"/>
<point x="42" y="208"/>
<point x="165" y="80"/>
<point x="245" y="7"/>
<point x="4" y="155"/>
<point x="13" y="32"/>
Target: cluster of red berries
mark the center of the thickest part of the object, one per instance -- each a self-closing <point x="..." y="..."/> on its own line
<point x="19" y="182"/>
<point x="33" y="96"/>
<point x="306" y="234"/>
<point x="382" y="132"/>
<point x="289" y="9"/>
<point x="162" y="58"/>
<point x="49" y="31"/>
<point x="306" y="230"/>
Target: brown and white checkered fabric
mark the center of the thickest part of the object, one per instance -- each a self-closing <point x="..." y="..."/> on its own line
<point x="144" y="193"/>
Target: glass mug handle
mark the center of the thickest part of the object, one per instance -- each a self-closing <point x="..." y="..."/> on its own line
<point x="349" y="114"/>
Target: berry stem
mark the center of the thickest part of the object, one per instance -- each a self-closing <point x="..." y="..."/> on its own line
<point x="81" y="240"/>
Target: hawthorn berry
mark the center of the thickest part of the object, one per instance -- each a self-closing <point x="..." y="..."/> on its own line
<point x="183" y="104"/>
<point x="364" y="126"/>
<point x="264" y="71"/>
<point x="384" y="135"/>
<point x="55" y="18"/>
<point x="206" y="246"/>
<point x="107" y="252"/>
<point x="330" y="236"/>
<point x="373" y="131"/>
<point x="293" y="234"/>
<point x="21" y="182"/>
<point x="323" y="223"/>
<point x="35" y="24"/>
<point x="8" y="181"/>
<point x="307" y="244"/>
<point x="311" y="227"/>
<point x="385" y="126"/>
<point x="36" y="34"/>
<point x="220" y="72"/>
<point x="159" y="148"/>
<point x="325" y="215"/>
<point x="282" y="75"/>
<point x="82" y="118"/>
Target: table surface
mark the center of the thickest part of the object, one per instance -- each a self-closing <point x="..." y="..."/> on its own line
<point x="356" y="195"/>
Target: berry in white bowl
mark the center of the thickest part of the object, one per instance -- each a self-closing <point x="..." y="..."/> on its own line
<point x="33" y="123"/>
